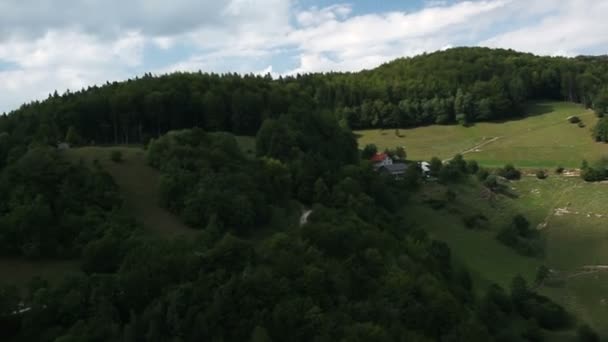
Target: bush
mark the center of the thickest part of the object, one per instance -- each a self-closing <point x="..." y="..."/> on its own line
<point x="116" y="156"/>
<point x="472" y="167"/>
<point x="581" y="124"/>
<point x="475" y="221"/>
<point x="509" y="172"/>
<point x="559" y="170"/>
<point x="574" y="119"/>
<point x="541" y="174"/>
<point x="586" y="334"/>
<point x="519" y="236"/>
<point x="482" y="174"/>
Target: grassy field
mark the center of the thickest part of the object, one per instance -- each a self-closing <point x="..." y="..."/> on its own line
<point x="572" y="216"/>
<point x="544" y="138"/>
<point x="138" y="184"/>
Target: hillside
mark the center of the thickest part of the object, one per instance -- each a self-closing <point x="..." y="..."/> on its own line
<point x="543" y="138"/>
<point x="462" y="85"/>
<point x="570" y="216"/>
<point x="197" y="237"/>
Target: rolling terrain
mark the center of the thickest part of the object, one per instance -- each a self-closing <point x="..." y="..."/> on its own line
<point x="570" y="213"/>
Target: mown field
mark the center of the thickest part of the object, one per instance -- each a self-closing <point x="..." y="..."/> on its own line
<point x="544" y="138"/>
<point x="572" y="216"/>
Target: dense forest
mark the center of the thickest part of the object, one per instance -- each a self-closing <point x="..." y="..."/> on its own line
<point x="354" y="270"/>
<point x="464" y="85"/>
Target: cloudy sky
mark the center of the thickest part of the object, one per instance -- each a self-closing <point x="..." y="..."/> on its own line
<point x="60" y="44"/>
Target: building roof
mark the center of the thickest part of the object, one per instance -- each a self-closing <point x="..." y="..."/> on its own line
<point x="378" y="157"/>
<point x="394" y="168"/>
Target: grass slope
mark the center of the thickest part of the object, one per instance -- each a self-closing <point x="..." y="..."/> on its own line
<point x="572" y="216"/>
<point x="544" y="138"/>
<point x="138" y="184"/>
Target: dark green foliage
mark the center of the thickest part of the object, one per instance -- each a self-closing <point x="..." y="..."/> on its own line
<point x="472" y="167"/>
<point x="116" y="156"/>
<point x="483" y="174"/>
<point x="542" y="273"/>
<point x="593" y="174"/>
<point x="600" y="131"/>
<point x="587" y="334"/>
<point x="509" y="172"/>
<point x="475" y="221"/>
<point x="519" y="236"/>
<point x="574" y="119"/>
<point x="541" y="174"/>
<point x="435" y="167"/>
<point x="491" y="182"/>
<point x="51" y="208"/>
<point x="369" y="151"/>
<point x="600" y="102"/>
<point x="206" y="177"/>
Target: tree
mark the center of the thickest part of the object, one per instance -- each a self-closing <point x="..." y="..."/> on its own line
<point x="435" y="166"/>
<point x="600" y="103"/>
<point x="541" y="274"/>
<point x="321" y="191"/>
<point x="587" y="334"/>
<point x="600" y="131"/>
<point x="369" y="151"/>
<point x="72" y="137"/>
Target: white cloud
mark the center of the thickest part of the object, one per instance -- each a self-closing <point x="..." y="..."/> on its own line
<point x="571" y="28"/>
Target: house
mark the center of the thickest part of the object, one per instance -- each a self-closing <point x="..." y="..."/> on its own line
<point x="384" y="163"/>
<point x="381" y="159"/>
<point x="396" y="169"/>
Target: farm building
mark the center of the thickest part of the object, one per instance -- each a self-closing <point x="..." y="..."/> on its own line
<point x="384" y="163"/>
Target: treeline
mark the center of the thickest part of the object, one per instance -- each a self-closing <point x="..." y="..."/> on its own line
<point x="464" y="85"/>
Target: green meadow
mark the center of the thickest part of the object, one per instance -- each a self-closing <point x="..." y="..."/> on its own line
<point x="543" y="138"/>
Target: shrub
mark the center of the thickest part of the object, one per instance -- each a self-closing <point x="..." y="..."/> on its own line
<point x="586" y="334"/>
<point x="541" y="174"/>
<point x="581" y="124"/>
<point x="559" y="170"/>
<point x="574" y="119"/>
<point x="483" y="174"/>
<point x="475" y="221"/>
<point x="519" y="236"/>
<point x="116" y="156"/>
<point x="509" y="172"/>
<point x="472" y="167"/>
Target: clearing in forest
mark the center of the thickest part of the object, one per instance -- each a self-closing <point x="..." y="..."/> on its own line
<point x="139" y="186"/>
<point x="543" y="138"/>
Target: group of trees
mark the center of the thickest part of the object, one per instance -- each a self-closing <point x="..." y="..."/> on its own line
<point x="519" y="236"/>
<point x="462" y="85"/>
<point x="51" y="207"/>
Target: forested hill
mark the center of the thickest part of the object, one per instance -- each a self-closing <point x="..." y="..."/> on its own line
<point x="462" y="85"/>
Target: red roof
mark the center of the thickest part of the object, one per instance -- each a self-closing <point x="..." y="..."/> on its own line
<point x="378" y="157"/>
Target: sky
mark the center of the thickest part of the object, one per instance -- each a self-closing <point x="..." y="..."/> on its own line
<point x="48" y="45"/>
